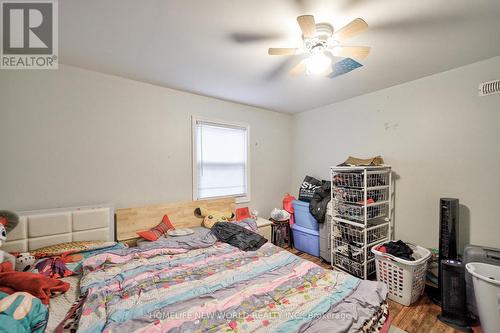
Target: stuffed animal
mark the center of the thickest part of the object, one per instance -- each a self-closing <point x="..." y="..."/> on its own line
<point x="8" y="221"/>
<point x="24" y="262"/>
<point x="210" y="217"/>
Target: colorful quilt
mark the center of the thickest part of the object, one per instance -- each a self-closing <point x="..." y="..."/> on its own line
<point x="221" y="289"/>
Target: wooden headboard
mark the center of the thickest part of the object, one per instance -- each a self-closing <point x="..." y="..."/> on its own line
<point x="131" y="220"/>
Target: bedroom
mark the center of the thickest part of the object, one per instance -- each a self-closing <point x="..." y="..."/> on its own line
<point x="117" y="119"/>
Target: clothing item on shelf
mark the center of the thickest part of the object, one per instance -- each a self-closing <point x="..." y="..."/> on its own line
<point x="398" y="249"/>
<point x="319" y="202"/>
<point x="355" y="179"/>
<point x="237" y="236"/>
<point x="354" y="161"/>
<point x="357" y="212"/>
<point x="352" y="252"/>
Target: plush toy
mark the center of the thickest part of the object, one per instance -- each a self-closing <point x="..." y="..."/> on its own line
<point x="8" y="221"/>
<point x="210" y="217"/>
<point x="24" y="262"/>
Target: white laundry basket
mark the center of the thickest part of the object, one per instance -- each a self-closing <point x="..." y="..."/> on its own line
<point x="405" y="279"/>
<point x="486" y="279"/>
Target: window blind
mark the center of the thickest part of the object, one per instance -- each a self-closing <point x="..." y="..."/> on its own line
<point x="221" y="160"/>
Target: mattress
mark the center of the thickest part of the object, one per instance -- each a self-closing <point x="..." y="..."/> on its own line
<point x="220" y="288"/>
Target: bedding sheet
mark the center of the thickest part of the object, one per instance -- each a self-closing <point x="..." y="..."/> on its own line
<point x="222" y="289"/>
<point x="201" y="238"/>
<point x="60" y="304"/>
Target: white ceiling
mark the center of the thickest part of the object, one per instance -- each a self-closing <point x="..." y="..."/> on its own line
<point x="218" y="48"/>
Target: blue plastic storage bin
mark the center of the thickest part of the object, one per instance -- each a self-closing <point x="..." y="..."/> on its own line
<point x="306" y="240"/>
<point x="302" y="216"/>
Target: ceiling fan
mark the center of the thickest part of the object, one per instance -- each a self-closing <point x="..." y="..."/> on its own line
<point x="321" y="43"/>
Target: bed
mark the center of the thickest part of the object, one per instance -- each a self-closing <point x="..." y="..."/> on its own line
<point x="160" y="287"/>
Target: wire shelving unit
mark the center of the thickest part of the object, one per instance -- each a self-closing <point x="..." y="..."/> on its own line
<point x="361" y="216"/>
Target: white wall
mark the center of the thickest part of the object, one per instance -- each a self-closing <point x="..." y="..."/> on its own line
<point x="74" y="137"/>
<point x="440" y="137"/>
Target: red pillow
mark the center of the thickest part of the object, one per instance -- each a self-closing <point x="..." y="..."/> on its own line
<point x="242" y="213"/>
<point x="155" y="233"/>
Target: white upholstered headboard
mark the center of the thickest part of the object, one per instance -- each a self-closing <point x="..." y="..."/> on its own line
<point x="39" y="228"/>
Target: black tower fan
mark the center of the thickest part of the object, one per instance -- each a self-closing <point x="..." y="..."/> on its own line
<point x="451" y="270"/>
<point x="448" y="232"/>
<point x="453" y="305"/>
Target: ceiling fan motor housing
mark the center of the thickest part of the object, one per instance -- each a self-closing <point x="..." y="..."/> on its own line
<point x="324" y="30"/>
<point x="322" y="39"/>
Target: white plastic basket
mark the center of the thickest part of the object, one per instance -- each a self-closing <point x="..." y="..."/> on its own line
<point x="405" y="279"/>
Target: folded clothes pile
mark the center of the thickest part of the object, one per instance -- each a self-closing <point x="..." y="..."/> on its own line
<point x="398" y="249"/>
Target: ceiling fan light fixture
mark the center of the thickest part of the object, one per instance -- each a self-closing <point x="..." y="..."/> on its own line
<point x="324" y="46"/>
<point x="318" y="64"/>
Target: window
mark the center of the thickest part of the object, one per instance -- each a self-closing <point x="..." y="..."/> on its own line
<point x="220" y="160"/>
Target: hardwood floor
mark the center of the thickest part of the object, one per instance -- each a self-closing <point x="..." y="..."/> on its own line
<point x="420" y="317"/>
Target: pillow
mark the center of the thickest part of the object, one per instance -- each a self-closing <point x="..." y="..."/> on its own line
<point x="242" y="213"/>
<point x="180" y="232"/>
<point x="69" y="263"/>
<point x="53" y="267"/>
<point x="58" y="249"/>
<point x="155" y="233"/>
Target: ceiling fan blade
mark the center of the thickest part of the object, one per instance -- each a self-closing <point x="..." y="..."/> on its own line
<point x="282" y="51"/>
<point x="352" y="29"/>
<point x="357" y="52"/>
<point x="298" y="69"/>
<point x="307" y="25"/>
<point x="342" y="67"/>
<point x="251" y="37"/>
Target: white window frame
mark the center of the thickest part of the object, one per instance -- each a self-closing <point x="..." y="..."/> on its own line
<point x="194" y="138"/>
